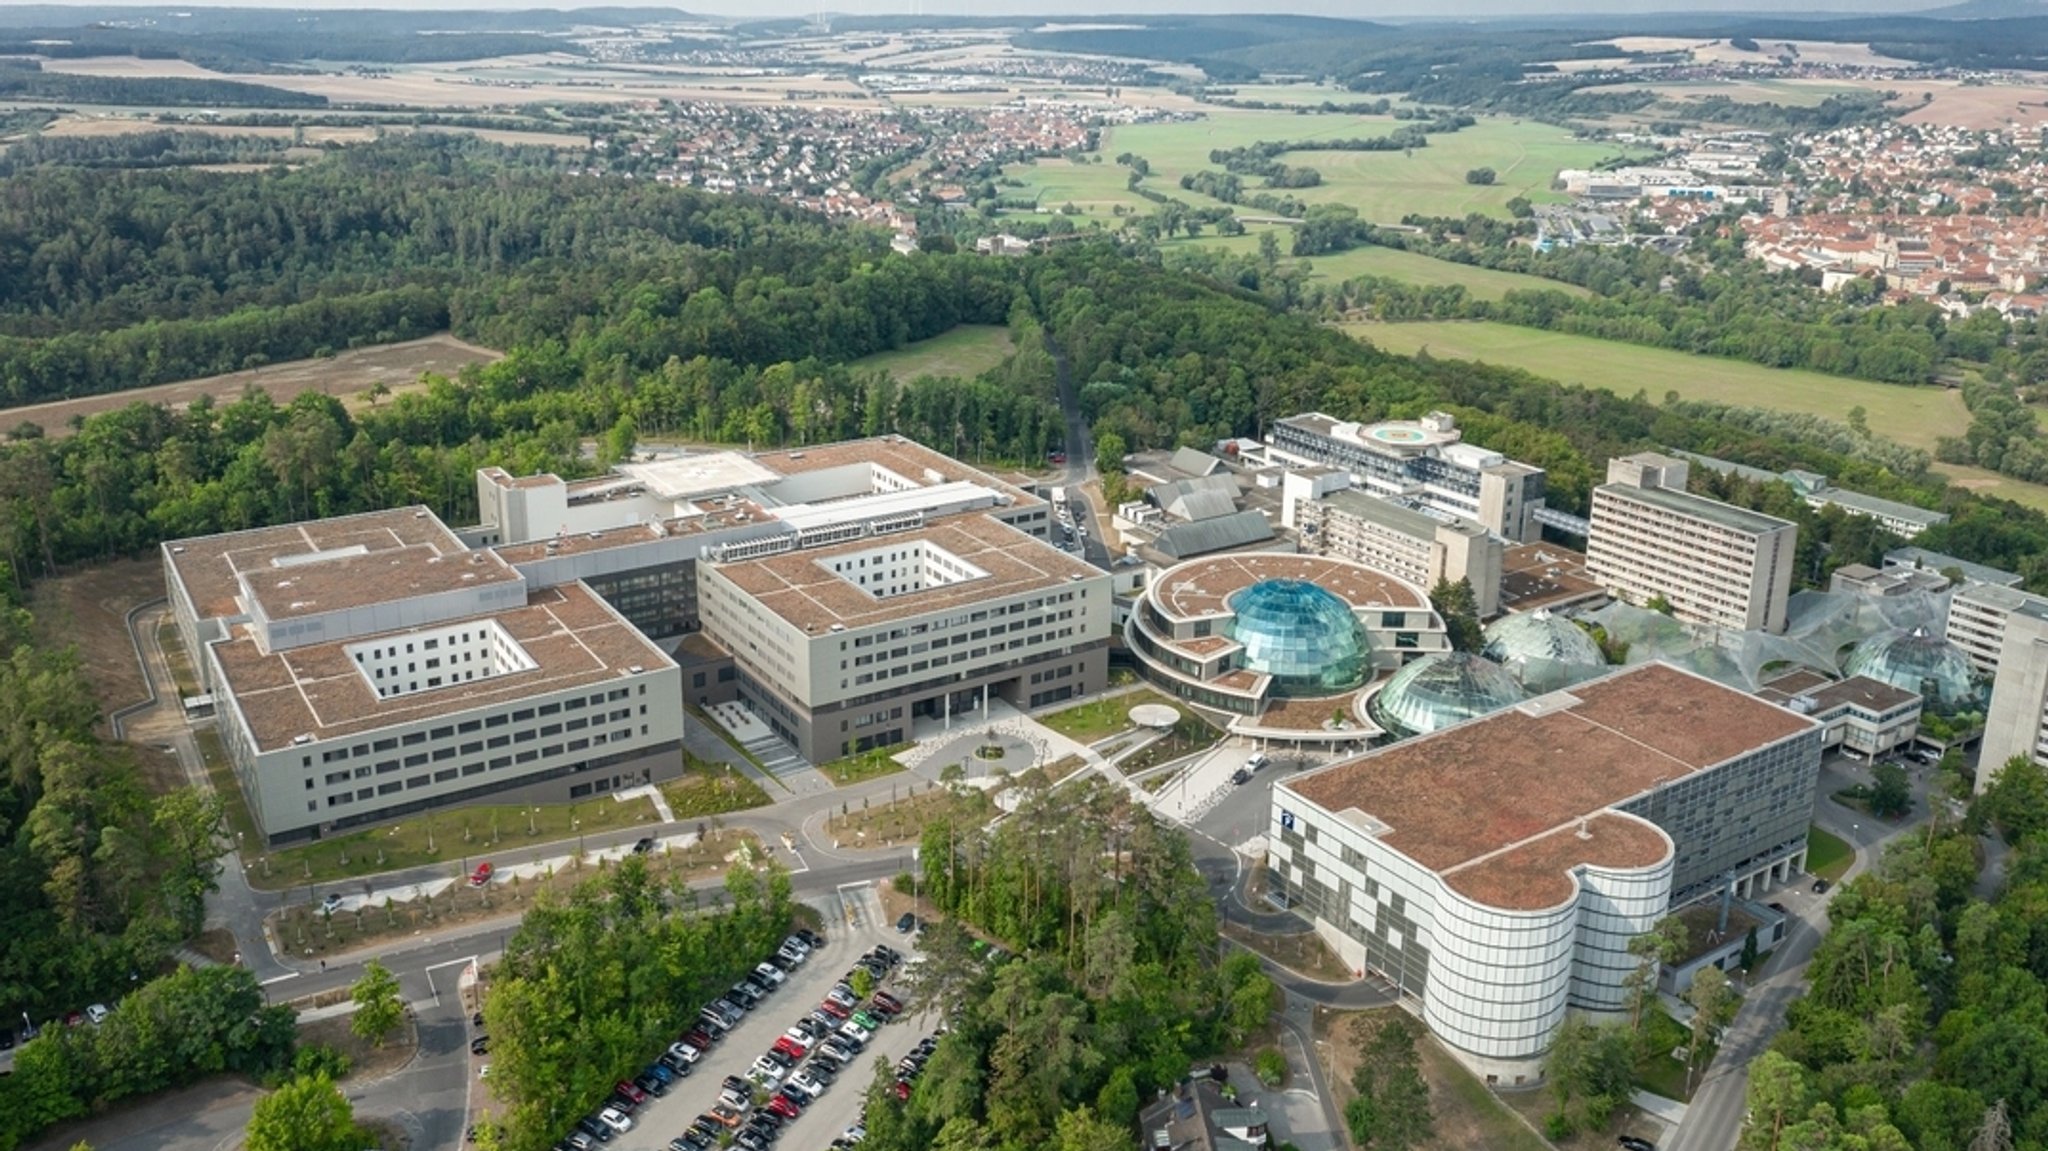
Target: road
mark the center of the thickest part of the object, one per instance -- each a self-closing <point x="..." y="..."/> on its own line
<point x="1080" y="447"/>
<point x="1713" y="1120"/>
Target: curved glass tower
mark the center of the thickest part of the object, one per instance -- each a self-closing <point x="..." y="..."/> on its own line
<point x="1304" y="637"/>
<point x="1544" y="651"/>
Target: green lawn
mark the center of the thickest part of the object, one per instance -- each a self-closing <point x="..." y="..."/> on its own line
<point x="1100" y="718"/>
<point x="966" y="351"/>
<point x="1658" y="1072"/>
<point x="866" y="765"/>
<point x="1096" y="189"/>
<point x="1827" y="856"/>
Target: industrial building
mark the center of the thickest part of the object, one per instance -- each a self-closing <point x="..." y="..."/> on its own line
<point x="1495" y="870"/>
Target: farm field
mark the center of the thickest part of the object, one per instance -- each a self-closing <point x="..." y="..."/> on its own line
<point x="1409" y="267"/>
<point x="966" y="351"/>
<point x="1791" y="93"/>
<point x="1916" y="417"/>
<point x="347" y="374"/>
<point x="1096" y="189"/>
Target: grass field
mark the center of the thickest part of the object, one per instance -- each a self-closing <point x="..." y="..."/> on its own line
<point x="1916" y="417"/>
<point x="1912" y="416"/>
<point x="1096" y="189"/>
<point x="966" y="351"/>
<point x="1790" y="93"/>
<point x="1826" y="855"/>
<point x="1481" y="283"/>
<point x="1383" y="186"/>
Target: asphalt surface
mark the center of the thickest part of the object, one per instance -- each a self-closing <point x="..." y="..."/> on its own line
<point x="660" y="1120"/>
<point x="1713" y="1120"/>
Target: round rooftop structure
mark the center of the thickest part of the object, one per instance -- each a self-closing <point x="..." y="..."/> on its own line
<point x="1919" y="661"/>
<point x="1304" y="637"/>
<point x="1439" y="690"/>
<point x="1545" y="652"/>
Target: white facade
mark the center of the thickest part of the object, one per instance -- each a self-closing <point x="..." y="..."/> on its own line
<point x="2017" y="722"/>
<point x="1976" y="621"/>
<point x="1713" y="563"/>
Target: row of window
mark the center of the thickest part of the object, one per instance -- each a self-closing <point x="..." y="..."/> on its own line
<point x="478" y="767"/>
<point x="501" y="719"/>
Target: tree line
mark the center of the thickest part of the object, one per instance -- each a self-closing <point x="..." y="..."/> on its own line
<point x="25" y="80"/>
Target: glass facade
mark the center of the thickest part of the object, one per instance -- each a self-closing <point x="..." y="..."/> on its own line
<point x="1437" y="691"/>
<point x="1544" y="651"/>
<point x="1304" y="637"/>
<point x="1920" y="661"/>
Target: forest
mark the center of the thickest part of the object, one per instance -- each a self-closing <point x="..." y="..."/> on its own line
<point x="1116" y="990"/>
<point x="26" y="80"/>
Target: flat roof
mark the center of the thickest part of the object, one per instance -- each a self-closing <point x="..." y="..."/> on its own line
<point x="373" y="577"/>
<point x="573" y="638"/>
<point x="734" y="513"/>
<point x="1973" y="572"/>
<point x="1698" y="507"/>
<point x="1544" y="575"/>
<point x="702" y="473"/>
<point x="1494" y="805"/>
<point x="1389" y="514"/>
<point x="905" y="457"/>
<point x="1202" y="587"/>
<point x="1880" y="507"/>
<point x="1857" y="690"/>
<point x="209" y="567"/>
<point x="799" y="587"/>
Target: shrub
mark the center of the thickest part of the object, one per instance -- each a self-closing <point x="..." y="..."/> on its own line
<point x="1270" y="1066"/>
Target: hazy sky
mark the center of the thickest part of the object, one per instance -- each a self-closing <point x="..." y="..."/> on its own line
<point x="1362" y="9"/>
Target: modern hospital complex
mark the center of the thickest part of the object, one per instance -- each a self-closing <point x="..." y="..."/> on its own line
<point x="1492" y="826"/>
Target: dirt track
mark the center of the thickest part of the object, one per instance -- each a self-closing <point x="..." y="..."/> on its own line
<point x="350" y="373"/>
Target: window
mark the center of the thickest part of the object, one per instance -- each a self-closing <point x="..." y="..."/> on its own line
<point x="443" y="753"/>
<point x="413" y="738"/>
<point x="469" y="725"/>
<point x="417" y="781"/>
<point x="444" y="776"/>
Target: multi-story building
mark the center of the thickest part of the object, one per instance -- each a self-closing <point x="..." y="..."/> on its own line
<point x="1496" y="870"/>
<point x="1860" y="714"/>
<point x="1977" y="613"/>
<point x="842" y="647"/>
<point x="2017" y="722"/>
<point x="1422" y="461"/>
<point x="1333" y="519"/>
<point x="1712" y="562"/>
<point x="369" y="667"/>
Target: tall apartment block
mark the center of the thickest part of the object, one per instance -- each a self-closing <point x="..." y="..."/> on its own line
<point x="1423" y="462"/>
<point x="1712" y="562"/>
<point x="2017" y="722"/>
<point x="1977" y="616"/>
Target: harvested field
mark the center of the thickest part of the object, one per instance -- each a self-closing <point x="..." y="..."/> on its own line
<point x="128" y="125"/>
<point x="1982" y="108"/>
<point x="347" y="374"/>
<point x="88" y="610"/>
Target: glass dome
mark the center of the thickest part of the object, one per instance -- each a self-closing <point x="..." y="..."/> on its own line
<point x="1545" y="652"/>
<point x="1919" y="661"/>
<point x="1304" y="637"/>
<point x="1439" y="690"/>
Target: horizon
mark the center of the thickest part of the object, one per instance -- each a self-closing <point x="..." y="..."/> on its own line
<point x="1405" y="10"/>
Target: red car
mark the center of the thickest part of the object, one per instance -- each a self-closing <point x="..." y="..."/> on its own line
<point x="631" y="1092"/>
<point x="903" y="1089"/>
<point x="833" y="1009"/>
<point x="783" y="1107"/>
<point x="699" y="1038"/>
<point x="481" y="875"/>
<point x="790" y="1047"/>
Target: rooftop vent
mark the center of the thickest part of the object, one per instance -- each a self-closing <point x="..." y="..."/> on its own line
<point x="635" y="669"/>
<point x="301" y="739"/>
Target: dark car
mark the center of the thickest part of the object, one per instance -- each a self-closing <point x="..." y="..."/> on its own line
<point x="1634" y="1144"/>
<point x="700" y="1037"/>
<point x="675" y="1064"/>
<point x="1820" y="886"/>
<point x="889" y="955"/>
<point x="644" y="845"/>
<point x="811" y="939"/>
<point x="591" y="1127"/>
<point x="650" y="1084"/>
<point x="690" y="1142"/>
<point x="887" y="1000"/>
<point x="481" y="1045"/>
<point x="1241" y="776"/>
<point x="906" y="924"/>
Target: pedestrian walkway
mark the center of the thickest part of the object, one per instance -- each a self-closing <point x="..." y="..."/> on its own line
<point x="1670" y="1111"/>
<point x="652" y="794"/>
<point x="792" y="771"/>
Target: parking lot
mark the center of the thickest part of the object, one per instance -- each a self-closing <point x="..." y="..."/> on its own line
<point x="661" y="1119"/>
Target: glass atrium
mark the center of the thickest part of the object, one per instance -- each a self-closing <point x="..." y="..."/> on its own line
<point x="1920" y="661"/>
<point x="1439" y="690"/>
<point x="1304" y="637"/>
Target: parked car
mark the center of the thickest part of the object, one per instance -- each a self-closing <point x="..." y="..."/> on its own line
<point x="97" y="1014"/>
<point x="1632" y="1143"/>
<point x="739" y="1099"/>
<point x="332" y="903"/>
<point x="631" y="1092"/>
<point x="771" y="974"/>
<point x="800" y="1038"/>
<point x="579" y="1141"/>
<point x="481" y="1045"/>
<point x="643" y="845"/>
<point x="482" y="874"/>
<point x="686" y="1051"/>
<point x="1259" y="761"/>
<point x="1241" y="776"/>
<point x="589" y="1125"/>
<point x="781" y="1105"/>
<point x="906" y="923"/>
<point x="866" y="1019"/>
<point x="888" y="954"/>
<point x="649" y="1083"/>
<point x="724" y="1116"/>
<point x="886" y="1001"/>
<point x="768" y="1070"/>
<point x="809" y="938"/>
<point x="784" y="1045"/>
<point x="807" y="1083"/>
<point x="838" y="1011"/>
